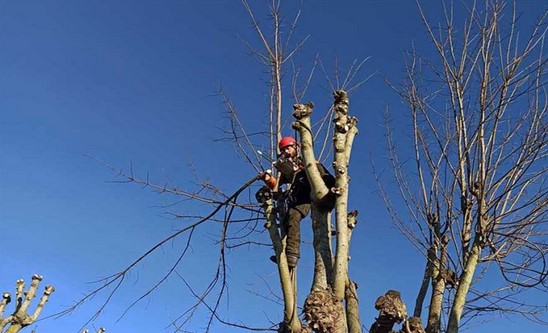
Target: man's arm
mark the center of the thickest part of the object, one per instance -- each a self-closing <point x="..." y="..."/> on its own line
<point x="270" y="180"/>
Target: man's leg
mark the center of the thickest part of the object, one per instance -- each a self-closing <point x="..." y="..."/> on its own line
<point x="292" y="224"/>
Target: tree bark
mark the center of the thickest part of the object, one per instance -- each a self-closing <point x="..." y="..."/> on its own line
<point x="291" y="317"/>
<point x="436" y="300"/>
<point x="333" y="275"/>
<point x="20" y="318"/>
<point x="352" y="308"/>
<point x="323" y="256"/>
<point x="465" y="281"/>
<point x="341" y="184"/>
<point x="424" y="285"/>
<point x="14" y="328"/>
<point x="302" y="113"/>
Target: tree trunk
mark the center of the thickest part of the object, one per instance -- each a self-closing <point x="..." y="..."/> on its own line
<point x="14" y="328"/>
<point x="352" y="308"/>
<point x="291" y="317"/>
<point x="465" y="280"/>
<point x="438" y="287"/>
<point x="323" y="263"/>
<point x="340" y="163"/>
<point x="424" y="285"/>
<point x="436" y="300"/>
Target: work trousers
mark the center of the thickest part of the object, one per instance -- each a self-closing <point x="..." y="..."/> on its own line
<point x="292" y="226"/>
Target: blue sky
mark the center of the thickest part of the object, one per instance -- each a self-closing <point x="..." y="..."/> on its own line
<point x="134" y="82"/>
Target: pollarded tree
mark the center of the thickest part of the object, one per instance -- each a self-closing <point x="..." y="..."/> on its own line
<point x="324" y="309"/>
<point x="21" y="316"/>
<point x="332" y="303"/>
<point x="476" y="190"/>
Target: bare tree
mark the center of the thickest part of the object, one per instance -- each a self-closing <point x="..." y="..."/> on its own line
<point x="475" y="183"/>
<point x="21" y="317"/>
<point x="479" y="196"/>
<point x="324" y="310"/>
<point x="332" y="305"/>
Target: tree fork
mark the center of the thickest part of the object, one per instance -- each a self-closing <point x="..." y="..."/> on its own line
<point x="20" y="317"/>
<point x="345" y="131"/>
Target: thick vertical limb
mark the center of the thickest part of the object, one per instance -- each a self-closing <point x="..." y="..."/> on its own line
<point x="302" y="113"/>
<point x="438" y="289"/>
<point x="425" y="283"/>
<point x="322" y="241"/>
<point x="341" y="184"/>
<point x="289" y="293"/>
<point x="351" y="292"/>
<point x="323" y="256"/>
<point x="465" y="281"/>
<point x="352" y="308"/>
<point x="345" y="131"/>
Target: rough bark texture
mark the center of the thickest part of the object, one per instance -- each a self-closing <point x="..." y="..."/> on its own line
<point x="413" y="325"/>
<point x="352" y="308"/>
<point x="392" y="310"/>
<point x="438" y="289"/>
<point x="323" y="311"/>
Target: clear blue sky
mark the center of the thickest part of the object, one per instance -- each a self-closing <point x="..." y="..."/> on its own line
<point x="134" y="81"/>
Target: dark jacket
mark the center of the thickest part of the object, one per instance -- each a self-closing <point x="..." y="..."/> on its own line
<point x="299" y="191"/>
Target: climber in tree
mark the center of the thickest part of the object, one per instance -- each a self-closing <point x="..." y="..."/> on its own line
<point x="296" y="194"/>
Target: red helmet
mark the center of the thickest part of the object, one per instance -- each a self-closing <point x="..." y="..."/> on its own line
<point x="286" y="141"/>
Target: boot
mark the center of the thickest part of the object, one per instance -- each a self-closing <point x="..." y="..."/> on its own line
<point x="291" y="260"/>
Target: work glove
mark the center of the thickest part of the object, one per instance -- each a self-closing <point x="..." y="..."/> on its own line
<point x="269" y="179"/>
